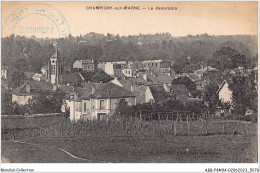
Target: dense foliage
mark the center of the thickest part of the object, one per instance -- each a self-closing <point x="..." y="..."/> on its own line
<point x="96" y="77"/>
<point x="30" y="54"/>
<point x="123" y="110"/>
<point x="244" y="95"/>
<point x="44" y="102"/>
<point x="187" y="82"/>
<point x="210" y="96"/>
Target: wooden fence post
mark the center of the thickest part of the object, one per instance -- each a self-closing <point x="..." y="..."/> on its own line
<point x="175" y="127"/>
<point x="159" y="118"/>
<point x="236" y="129"/>
<point x="206" y="126"/>
<point x="188" y="124"/>
<point x="202" y="126"/>
<point x="223" y="127"/>
<point x="246" y="128"/>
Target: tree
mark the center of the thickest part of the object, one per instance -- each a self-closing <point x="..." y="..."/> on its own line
<point x="244" y="93"/>
<point x="210" y="97"/>
<point x="122" y="110"/>
<point x="6" y="102"/>
<point x="46" y="102"/>
<point x="196" y="107"/>
<point x="187" y="82"/>
<point x="228" y="58"/>
<point x="101" y="76"/>
<point x="15" y="78"/>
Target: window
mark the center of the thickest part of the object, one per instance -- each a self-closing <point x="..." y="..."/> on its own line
<point x="121" y="99"/>
<point x="85" y="107"/>
<point x="52" y="69"/>
<point x="102" y="104"/>
<point x="60" y="69"/>
<point x="76" y="106"/>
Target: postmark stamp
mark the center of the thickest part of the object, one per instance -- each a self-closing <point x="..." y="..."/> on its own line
<point x="38" y="19"/>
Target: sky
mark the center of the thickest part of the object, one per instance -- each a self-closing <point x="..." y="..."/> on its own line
<point x="214" y="18"/>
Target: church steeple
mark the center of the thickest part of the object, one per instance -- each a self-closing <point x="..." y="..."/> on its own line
<point x="56" y="64"/>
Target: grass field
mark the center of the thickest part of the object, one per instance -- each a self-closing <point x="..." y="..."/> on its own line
<point x="113" y="142"/>
<point x="169" y="149"/>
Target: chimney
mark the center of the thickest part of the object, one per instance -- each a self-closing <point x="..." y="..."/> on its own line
<point x="27" y="88"/>
<point x="145" y="77"/>
<point x="132" y="88"/>
<point x="93" y="89"/>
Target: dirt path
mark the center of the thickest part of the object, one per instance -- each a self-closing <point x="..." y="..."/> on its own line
<point x="20" y="151"/>
<point x="68" y="153"/>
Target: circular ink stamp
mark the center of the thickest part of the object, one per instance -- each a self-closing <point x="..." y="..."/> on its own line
<point x="40" y="20"/>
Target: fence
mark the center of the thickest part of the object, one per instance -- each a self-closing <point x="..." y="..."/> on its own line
<point x="181" y="125"/>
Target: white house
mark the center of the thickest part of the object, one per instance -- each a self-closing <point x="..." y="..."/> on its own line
<point x="224" y="93"/>
<point x="77" y="64"/>
<point x="109" y="68"/>
<point x="98" y="101"/>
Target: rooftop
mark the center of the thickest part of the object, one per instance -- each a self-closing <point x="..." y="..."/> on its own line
<point x="111" y="90"/>
<point x="56" y="55"/>
<point x="72" y="77"/>
<point x="35" y="87"/>
<point x="159" y="93"/>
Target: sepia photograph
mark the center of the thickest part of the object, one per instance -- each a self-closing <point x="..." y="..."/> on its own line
<point x="129" y="82"/>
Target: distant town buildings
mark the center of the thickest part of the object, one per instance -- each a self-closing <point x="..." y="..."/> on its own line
<point x="131" y="68"/>
<point x="87" y="65"/>
<point x="136" y="82"/>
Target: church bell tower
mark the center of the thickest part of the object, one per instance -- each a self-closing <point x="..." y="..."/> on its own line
<point x="56" y="65"/>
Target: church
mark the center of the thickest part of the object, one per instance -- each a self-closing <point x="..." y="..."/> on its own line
<point x="55" y="78"/>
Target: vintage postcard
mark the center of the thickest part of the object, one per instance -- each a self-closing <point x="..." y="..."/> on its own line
<point x="129" y="82"/>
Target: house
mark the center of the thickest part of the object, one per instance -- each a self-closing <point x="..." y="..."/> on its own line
<point x="40" y="77"/>
<point x="22" y="94"/>
<point x="78" y="101"/>
<point x="224" y="93"/>
<point x="156" y="93"/>
<point x="200" y="82"/>
<point x="130" y="69"/>
<point x="5" y="70"/>
<point x="87" y="65"/>
<point x="101" y="65"/>
<point x="97" y="101"/>
<point x="158" y="79"/>
<point x="74" y="79"/>
<point x="139" y="92"/>
<point x="127" y="83"/>
<point x="200" y="72"/>
<point x="136" y="85"/>
<point x="158" y="66"/>
<point x="44" y="69"/>
<point x="104" y="101"/>
<point x="113" y="69"/>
